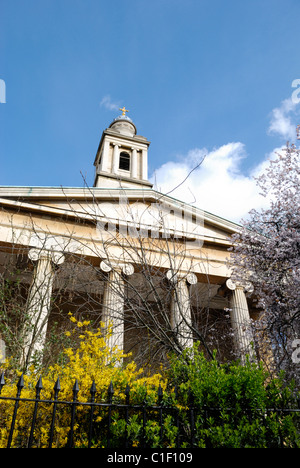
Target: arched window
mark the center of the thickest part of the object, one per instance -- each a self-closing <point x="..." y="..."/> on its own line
<point x="124" y="161"/>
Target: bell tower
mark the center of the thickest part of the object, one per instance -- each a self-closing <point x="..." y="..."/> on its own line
<point x="122" y="156"/>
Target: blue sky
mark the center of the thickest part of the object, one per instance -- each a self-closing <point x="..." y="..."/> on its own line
<point x="200" y="77"/>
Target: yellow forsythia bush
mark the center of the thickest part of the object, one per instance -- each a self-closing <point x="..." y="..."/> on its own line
<point x="89" y="361"/>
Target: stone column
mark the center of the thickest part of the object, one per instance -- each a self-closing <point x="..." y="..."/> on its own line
<point x="39" y="300"/>
<point x="181" y="317"/>
<point x="144" y="165"/>
<point x="240" y="321"/>
<point x="113" y="302"/>
<point x="133" y="163"/>
<point x="2" y="350"/>
<point x="105" y="157"/>
<point x="116" y="159"/>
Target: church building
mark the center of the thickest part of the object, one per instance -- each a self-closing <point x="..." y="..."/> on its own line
<point x="149" y="268"/>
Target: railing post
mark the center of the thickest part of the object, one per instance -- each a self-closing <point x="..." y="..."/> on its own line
<point x="127" y="394"/>
<point x="93" y="393"/>
<point x="56" y="389"/>
<point x="20" y="386"/>
<point x="192" y="418"/>
<point x="144" y="423"/>
<point x="38" y="388"/>
<point x="2" y="382"/>
<point x="176" y="414"/>
<point x="110" y="397"/>
<point x="160" y="397"/>
<point x="74" y="403"/>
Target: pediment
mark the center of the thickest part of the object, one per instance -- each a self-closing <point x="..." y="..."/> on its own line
<point x="137" y="208"/>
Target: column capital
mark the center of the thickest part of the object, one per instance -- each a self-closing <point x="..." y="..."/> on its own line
<point x="174" y="278"/>
<point x="126" y="268"/>
<point x="37" y="254"/>
<point x="245" y="286"/>
<point x="191" y="278"/>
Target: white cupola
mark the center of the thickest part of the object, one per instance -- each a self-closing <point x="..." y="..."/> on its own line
<point x="122" y="156"/>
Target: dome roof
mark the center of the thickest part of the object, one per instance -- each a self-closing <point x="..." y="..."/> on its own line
<point x="123" y="125"/>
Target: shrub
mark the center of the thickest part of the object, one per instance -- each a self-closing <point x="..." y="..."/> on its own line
<point x="91" y="361"/>
<point x="233" y="403"/>
<point x="197" y="403"/>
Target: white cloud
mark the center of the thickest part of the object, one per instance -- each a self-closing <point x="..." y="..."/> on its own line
<point x="218" y="185"/>
<point x="281" y="119"/>
<point x="109" y="104"/>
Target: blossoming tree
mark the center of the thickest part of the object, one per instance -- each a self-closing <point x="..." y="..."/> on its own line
<point x="266" y="253"/>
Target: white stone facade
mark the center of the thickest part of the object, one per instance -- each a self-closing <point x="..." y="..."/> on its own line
<point x="105" y="224"/>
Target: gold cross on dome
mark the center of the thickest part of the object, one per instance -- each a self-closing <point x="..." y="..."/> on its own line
<point x="124" y="111"/>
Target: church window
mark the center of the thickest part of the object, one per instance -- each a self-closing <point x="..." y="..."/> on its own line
<point x="124" y="161"/>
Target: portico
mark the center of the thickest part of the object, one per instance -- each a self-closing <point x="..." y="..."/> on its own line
<point x="147" y="265"/>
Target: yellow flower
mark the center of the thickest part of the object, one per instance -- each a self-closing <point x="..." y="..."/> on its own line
<point x="90" y="359"/>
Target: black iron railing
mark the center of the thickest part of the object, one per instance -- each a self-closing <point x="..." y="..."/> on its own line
<point x="113" y="423"/>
